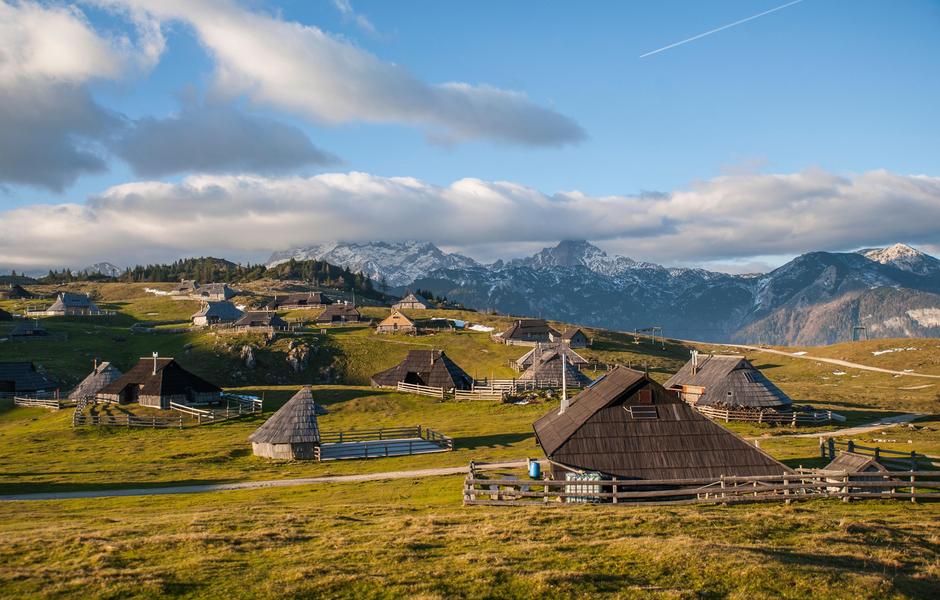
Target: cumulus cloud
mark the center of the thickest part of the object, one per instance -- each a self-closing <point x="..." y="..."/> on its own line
<point x="725" y="218"/>
<point x="50" y="128"/>
<point x="217" y="139"/>
<point x="311" y="73"/>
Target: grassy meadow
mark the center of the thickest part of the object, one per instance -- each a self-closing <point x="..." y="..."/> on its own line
<point x="413" y="538"/>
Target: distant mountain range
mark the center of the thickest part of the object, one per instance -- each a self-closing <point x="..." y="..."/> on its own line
<point x="817" y="298"/>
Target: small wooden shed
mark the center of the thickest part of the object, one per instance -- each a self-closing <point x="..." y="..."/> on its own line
<point x="574" y="337"/>
<point x="628" y="426"/>
<point x="425" y="367"/>
<point x="339" y="313"/>
<point x="526" y="360"/>
<point x="396" y="322"/>
<point x="292" y="433"/>
<point x="851" y="462"/>
<point x="156" y="382"/>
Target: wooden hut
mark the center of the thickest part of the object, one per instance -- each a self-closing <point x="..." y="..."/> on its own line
<point x="299" y="301"/>
<point x="339" y="313"/>
<point x="396" y="322"/>
<point x="15" y="291"/>
<point x="546" y="365"/>
<point x="627" y="426"/>
<point x="410" y="302"/>
<point x="29" y="330"/>
<point x="529" y="332"/>
<point x="156" y="382"/>
<point x="574" y="337"/>
<point x="22" y="377"/>
<point x="850" y="462"/>
<point x="292" y="432"/>
<point x="215" y="292"/>
<point x="5" y="316"/>
<point x="184" y="288"/>
<point x="265" y="320"/>
<point x="425" y="367"/>
<point x="72" y="304"/>
<point x="101" y="375"/>
<point x="571" y="357"/>
<point x="727" y="381"/>
<point x="214" y="313"/>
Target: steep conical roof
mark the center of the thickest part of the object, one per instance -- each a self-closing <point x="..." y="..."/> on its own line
<point x="293" y="423"/>
<point x="103" y="374"/>
<point x="730" y="380"/>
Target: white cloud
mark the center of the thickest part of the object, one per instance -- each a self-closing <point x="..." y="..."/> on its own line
<point x="725" y="218"/>
<point x="309" y="72"/>
<point x="346" y="9"/>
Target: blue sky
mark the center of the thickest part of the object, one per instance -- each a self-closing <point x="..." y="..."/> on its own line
<point x="840" y="88"/>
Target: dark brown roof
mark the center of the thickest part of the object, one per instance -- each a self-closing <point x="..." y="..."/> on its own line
<point x="730" y="381"/>
<point x="170" y="379"/>
<point x="604" y="430"/>
<point x="293" y="423"/>
<point x="339" y="312"/>
<point x="852" y="462"/>
<point x="524" y="329"/>
<point x="299" y="299"/>
<point x="25" y="377"/>
<point x="16" y="291"/>
<point x="425" y="367"/>
<point x="261" y="319"/>
<point x="5" y="316"/>
<point x="571" y="332"/>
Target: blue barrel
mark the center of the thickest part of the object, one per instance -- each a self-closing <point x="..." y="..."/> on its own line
<point x="535" y="469"/>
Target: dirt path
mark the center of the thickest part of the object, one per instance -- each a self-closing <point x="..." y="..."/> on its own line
<point x="832" y="361"/>
<point x="858" y="429"/>
<point x="251" y="485"/>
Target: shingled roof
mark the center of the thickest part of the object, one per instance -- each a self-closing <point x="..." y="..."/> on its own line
<point x="530" y="329"/>
<point x="293" y="423"/>
<point x="220" y="311"/>
<point x="103" y="374"/>
<point x="425" y="367"/>
<point x="168" y="378"/>
<point x="28" y="328"/>
<point x="628" y="426"/>
<point x="339" y="312"/>
<point x="255" y="318"/>
<point x="71" y="301"/>
<point x="23" y="377"/>
<point x="299" y="299"/>
<point x="16" y="292"/>
<point x="525" y="361"/>
<point x="546" y="364"/>
<point x="851" y="462"/>
<point x="5" y="316"/>
<point x="730" y="381"/>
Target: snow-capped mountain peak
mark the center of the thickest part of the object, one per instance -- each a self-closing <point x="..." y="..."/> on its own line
<point x="103" y="268"/>
<point x="399" y="262"/>
<point x="903" y="257"/>
<point x="571" y="253"/>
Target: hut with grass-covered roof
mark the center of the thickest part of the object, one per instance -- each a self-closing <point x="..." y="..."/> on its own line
<point x="101" y="375"/>
<point x="727" y="381"/>
<point x="628" y="426"/>
<point x="430" y="368"/>
<point x="292" y="433"/>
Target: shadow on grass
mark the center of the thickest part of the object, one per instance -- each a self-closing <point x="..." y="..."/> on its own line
<point x="491" y="441"/>
<point x="11" y="489"/>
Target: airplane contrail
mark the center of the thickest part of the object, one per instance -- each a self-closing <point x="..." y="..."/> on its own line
<point x="723" y="27"/>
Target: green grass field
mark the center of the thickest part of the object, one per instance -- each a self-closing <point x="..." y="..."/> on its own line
<point x="412" y="538"/>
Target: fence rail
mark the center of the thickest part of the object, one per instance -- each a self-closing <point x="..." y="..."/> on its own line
<point x="899" y="485"/>
<point x="53" y="403"/>
<point x="423" y="390"/>
<point x="794" y="418"/>
<point x="80" y="420"/>
<point x="516" y="385"/>
<point x="886" y="457"/>
<point x="480" y="394"/>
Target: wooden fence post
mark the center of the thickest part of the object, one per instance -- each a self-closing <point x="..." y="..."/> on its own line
<point x="850" y="446"/>
<point x="845" y="489"/>
<point x="913" y="492"/>
<point x="822" y="447"/>
<point x="832" y="449"/>
<point x="786" y="488"/>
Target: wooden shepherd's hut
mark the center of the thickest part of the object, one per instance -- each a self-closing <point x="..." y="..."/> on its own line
<point x="432" y="368"/>
<point x="396" y="322"/>
<point x="627" y="426"/>
<point x="292" y="432"/>
<point x="727" y="381"/>
<point x="410" y="302"/>
<point x="339" y="313"/>
<point x="157" y="382"/>
<point x="101" y="375"/>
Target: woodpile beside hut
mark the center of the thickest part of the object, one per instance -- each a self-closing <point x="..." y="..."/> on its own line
<point x="430" y="368"/>
<point x="292" y="433"/>
<point x="627" y="426"/>
<point x="727" y="381"/>
<point x="156" y="382"/>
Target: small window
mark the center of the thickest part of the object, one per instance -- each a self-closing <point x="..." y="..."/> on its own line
<point x="643" y="412"/>
<point x="644" y="396"/>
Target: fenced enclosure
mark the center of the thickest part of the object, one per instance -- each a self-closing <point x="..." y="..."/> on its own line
<point x="481" y="394"/>
<point x="54" y="403"/>
<point x="379" y="443"/>
<point x="184" y="416"/>
<point x="422" y="390"/>
<point x="913" y="486"/>
<point x="794" y="418"/>
<point x="513" y="386"/>
<point x="890" y="459"/>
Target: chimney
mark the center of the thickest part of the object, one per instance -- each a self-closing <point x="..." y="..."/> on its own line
<point x="694" y="362"/>
<point x="155" y="354"/>
<point x="95" y="369"/>
<point x="564" y="387"/>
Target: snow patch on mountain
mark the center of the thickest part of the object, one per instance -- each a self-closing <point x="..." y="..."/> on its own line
<point x="903" y="257"/>
<point x="103" y="268"/>
<point x="925" y="317"/>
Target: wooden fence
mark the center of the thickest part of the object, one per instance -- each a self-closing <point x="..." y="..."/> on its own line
<point x="53" y="403"/>
<point x="888" y="458"/>
<point x="375" y="443"/>
<point x="480" y="394"/>
<point x="513" y="386"/>
<point x="81" y="420"/>
<point x="793" y="419"/>
<point x="786" y="487"/>
<point x="422" y="390"/>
